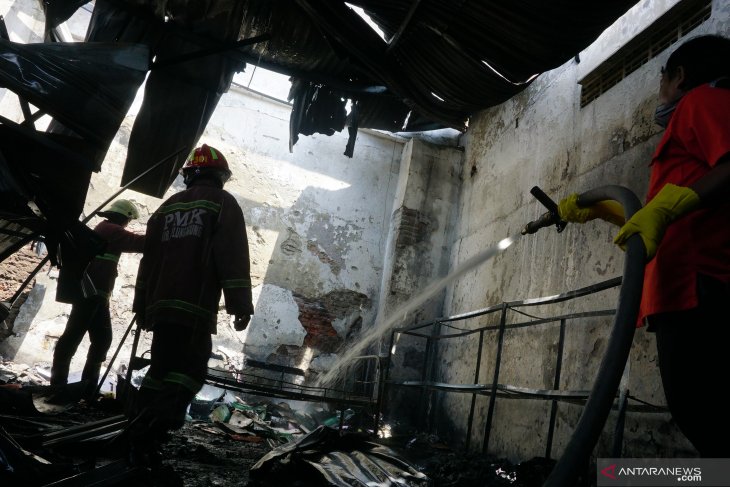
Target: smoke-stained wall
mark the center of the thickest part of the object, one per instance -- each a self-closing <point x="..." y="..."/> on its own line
<point x="317" y="225"/>
<point x="543" y="137"/>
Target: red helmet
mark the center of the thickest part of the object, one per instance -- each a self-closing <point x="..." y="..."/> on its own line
<point x="205" y="158"/>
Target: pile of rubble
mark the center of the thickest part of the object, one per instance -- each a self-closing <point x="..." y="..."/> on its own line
<point x="14" y="373"/>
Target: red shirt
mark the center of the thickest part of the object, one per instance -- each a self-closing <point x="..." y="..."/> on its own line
<point x="697" y="137"/>
<point x="102" y="270"/>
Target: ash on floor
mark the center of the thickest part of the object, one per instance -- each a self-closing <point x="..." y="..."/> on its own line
<point x="202" y="459"/>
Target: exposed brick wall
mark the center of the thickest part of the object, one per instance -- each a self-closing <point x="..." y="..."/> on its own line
<point x="317" y="315"/>
<point x="411" y="226"/>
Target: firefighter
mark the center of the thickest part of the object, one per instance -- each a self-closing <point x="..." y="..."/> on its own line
<point x="685" y="229"/>
<point x="91" y="313"/>
<point x="196" y="248"/>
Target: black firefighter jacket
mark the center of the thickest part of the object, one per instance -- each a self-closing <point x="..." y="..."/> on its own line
<point x="196" y="246"/>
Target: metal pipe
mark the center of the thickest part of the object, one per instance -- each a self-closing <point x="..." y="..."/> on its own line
<point x="423" y="407"/>
<point x="114" y="357"/>
<point x="589" y="427"/>
<point x="556" y="386"/>
<point x="383" y="382"/>
<point x="495" y="379"/>
<point x="474" y="396"/>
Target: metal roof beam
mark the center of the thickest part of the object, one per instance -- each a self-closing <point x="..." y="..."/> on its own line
<point x="403" y="26"/>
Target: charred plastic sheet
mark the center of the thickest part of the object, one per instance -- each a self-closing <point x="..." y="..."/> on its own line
<point x="325" y="457"/>
<point x="439" y="62"/>
<point x="86" y="87"/>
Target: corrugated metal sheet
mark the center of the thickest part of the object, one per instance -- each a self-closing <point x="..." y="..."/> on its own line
<point x="442" y="62"/>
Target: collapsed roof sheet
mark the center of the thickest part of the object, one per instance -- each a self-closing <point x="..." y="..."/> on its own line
<point x="440" y="61"/>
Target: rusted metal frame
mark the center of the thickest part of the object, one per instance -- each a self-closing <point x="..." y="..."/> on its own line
<point x="474" y="395"/>
<point x="460" y="317"/>
<point x="403" y="26"/>
<point x="233" y="384"/>
<point x="135" y="179"/>
<point x="584" y="291"/>
<point x="132" y="356"/>
<point x="90" y="431"/>
<point x="114" y="357"/>
<point x="594" y="288"/>
<point x="13" y="233"/>
<point x="30" y="120"/>
<point x="556" y="386"/>
<point x="342" y="417"/>
<point x="383" y="382"/>
<point x="338" y="21"/>
<point x="431" y="375"/>
<point x="583" y="314"/>
<point x="511" y="392"/>
<point x="495" y="380"/>
<point x="422" y="403"/>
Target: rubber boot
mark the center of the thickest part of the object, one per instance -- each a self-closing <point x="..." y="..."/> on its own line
<point x="91" y="372"/>
<point x="59" y="374"/>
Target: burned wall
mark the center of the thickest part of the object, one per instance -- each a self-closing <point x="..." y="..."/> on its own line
<point x="419" y="243"/>
<point x="543" y="137"/>
<point x="315" y="221"/>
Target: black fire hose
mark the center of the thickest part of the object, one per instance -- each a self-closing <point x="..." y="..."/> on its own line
<point x="585" y="436"/>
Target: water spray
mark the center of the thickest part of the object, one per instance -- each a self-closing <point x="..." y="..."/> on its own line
<point x="397" y="316"/>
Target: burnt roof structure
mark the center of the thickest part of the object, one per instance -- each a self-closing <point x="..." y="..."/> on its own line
<point x="439" y="63"/>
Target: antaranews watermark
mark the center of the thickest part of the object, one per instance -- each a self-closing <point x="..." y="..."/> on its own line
<point x="663" y="472"/>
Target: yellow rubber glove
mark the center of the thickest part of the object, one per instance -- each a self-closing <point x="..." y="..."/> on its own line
<point x="670" y="203"/>
<point x="608" y="210"/>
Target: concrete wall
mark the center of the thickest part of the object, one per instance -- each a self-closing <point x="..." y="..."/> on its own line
<point x="315" y="222"/>
<point x="542" y="137"/>
<point x="418" y="253"/>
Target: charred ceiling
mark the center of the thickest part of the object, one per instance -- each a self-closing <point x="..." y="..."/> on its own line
<point x="438" y="63"/>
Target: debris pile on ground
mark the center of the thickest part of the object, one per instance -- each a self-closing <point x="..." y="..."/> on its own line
<point x="478" y="470"/>
<point x="11" y="372"/>
<point x="327" y="457"/>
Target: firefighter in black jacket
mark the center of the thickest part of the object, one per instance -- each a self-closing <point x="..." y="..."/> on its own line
<point x="196" y="247"/>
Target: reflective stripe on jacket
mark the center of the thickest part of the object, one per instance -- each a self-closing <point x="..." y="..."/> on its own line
<point x="196" y="248"/>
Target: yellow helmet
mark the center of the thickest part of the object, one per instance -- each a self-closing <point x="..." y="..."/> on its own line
<point x="125" y="208"/>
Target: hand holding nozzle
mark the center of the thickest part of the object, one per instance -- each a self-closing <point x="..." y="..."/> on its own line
<point x="551" y="217"/>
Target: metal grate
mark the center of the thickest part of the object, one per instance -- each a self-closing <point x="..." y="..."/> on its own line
<point x="679" y="21"/>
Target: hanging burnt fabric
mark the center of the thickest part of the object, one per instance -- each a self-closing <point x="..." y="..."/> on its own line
<point x="182" y="90"/>
<point x="86" y="87"/>
<point x="59" y="11"/>
<point x="315" y="109"/>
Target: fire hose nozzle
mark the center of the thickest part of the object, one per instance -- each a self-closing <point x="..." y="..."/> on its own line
<point x="550" y="217"/>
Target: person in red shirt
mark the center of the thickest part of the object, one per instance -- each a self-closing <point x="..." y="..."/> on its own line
<point x="685" y="227"/>
<point x="91" y="313"/>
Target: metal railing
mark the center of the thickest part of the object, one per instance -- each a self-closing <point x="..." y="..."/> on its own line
<point x="496" y="390"/>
